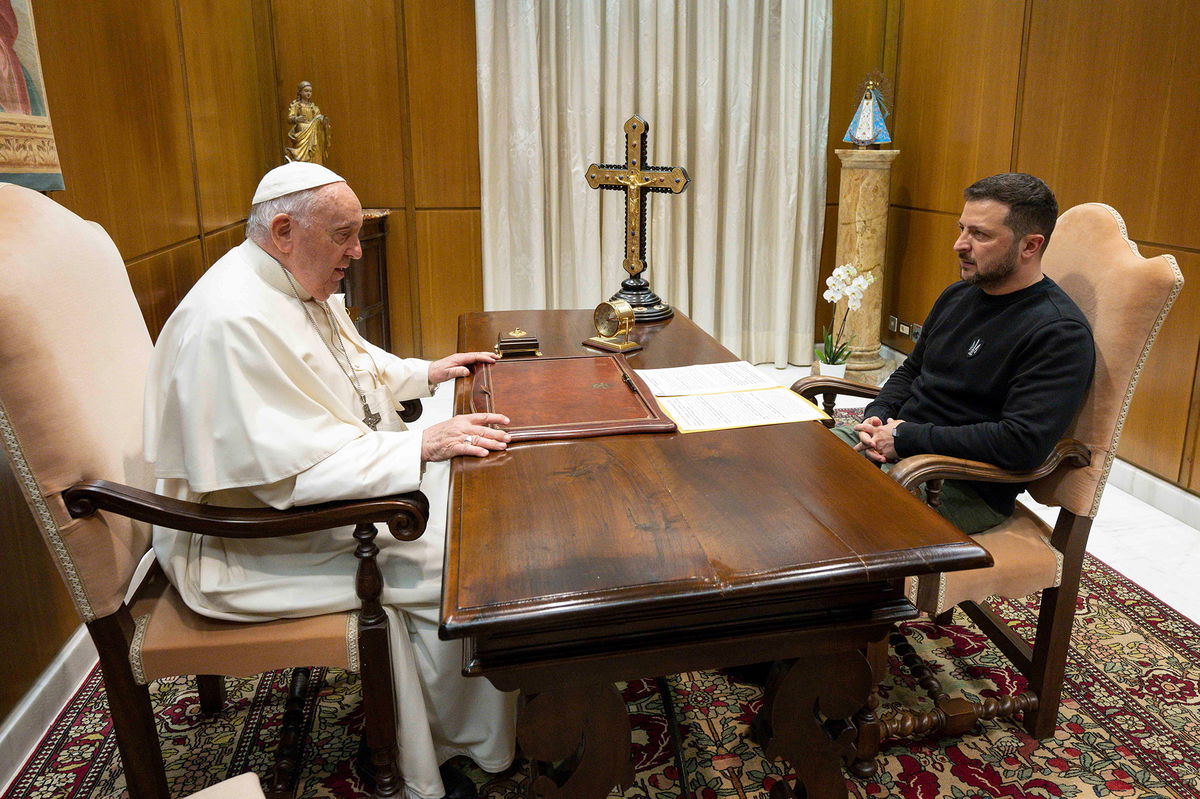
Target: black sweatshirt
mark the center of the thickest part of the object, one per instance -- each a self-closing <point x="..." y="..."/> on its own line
<point x="994" y="378"/>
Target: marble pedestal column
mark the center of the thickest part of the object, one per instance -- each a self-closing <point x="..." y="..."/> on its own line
<point x="861" y="240"/>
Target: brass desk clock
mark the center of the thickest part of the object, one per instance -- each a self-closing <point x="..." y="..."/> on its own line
<point x="613" y="320"/>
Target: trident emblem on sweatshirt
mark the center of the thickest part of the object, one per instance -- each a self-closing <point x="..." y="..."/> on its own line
<point x="976" y="345"/>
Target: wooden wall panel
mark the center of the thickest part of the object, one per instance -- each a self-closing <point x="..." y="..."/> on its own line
<point x="222" y="241"/>
<point x="404" y="310"/>
<point x="920" y="262"/>
<point x="349" y="54"/>
<point x="828" y="253"/>
<point x="160" y="281"/>
<point x="34" y="603"/>
<point x="450" y="253"/>
<point x="1153" y="436"/>
<point x="440" y="44"/>
<point x="224" y="104"/>
<point x="858" y="47"/>
<point x="1112" y="96"/>
<point x="115" y="86"/>
<point x="955" y="98"/>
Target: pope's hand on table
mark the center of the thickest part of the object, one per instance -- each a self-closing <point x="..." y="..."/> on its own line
<point x="466" y="434"/>
<point x="456" y="365"/>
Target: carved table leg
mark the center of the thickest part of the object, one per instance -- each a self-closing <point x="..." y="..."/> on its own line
<point x="809" y="706"/>
<point x="585" y="729"/>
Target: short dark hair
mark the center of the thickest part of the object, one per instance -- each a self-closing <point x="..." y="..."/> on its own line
<point x="1031" y="205"/>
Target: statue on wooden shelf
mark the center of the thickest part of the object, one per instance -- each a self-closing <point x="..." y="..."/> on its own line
<point x="309" y="134"/>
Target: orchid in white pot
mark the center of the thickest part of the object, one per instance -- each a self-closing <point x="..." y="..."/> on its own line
<point x="846" y="283"/>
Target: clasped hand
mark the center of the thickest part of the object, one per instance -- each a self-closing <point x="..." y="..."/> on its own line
<point x="467" y="434"/>
<point x="876" y="439"/>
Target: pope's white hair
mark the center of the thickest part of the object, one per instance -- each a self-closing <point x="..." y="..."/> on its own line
<point x="299" y="205"/>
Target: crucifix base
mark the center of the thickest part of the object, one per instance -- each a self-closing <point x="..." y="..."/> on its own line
<point x="647" y="306"/>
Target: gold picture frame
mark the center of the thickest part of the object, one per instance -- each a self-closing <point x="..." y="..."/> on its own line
<point x="28" y="156"/>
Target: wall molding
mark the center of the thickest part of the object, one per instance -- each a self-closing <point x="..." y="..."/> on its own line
<point x="24" y="727"/>
<point x="1156" y="492"/>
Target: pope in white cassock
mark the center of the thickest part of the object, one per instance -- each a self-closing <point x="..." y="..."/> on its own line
<point x="261" y="392"/>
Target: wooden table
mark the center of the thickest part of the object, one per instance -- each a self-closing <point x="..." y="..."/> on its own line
<point x="571" y="565"/>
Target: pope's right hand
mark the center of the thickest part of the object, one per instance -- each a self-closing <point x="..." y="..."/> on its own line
<point x="466" y="434"/>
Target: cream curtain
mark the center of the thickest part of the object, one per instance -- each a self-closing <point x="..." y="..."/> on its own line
<point x="734" y="91"/>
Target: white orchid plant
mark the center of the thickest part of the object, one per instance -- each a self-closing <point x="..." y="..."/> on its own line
<point x="846" y="283"/>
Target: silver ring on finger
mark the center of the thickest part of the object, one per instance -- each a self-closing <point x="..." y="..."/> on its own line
<point x="469" y="440"/>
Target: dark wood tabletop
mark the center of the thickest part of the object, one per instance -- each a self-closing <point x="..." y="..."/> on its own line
<point x="553" y="540"/>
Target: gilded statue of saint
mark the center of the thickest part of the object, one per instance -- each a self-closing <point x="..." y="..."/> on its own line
<point x="309" y="134"/>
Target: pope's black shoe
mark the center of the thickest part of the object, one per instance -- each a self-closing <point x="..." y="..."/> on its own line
<point x="457" y="784"/>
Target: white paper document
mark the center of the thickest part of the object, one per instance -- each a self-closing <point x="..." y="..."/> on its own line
<point x="776" y="405"/>
<point x="704" y="378"/>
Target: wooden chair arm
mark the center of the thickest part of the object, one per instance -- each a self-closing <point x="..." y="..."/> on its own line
<point x="405" y="514"/>
<point x="410" y="410"/>
<point x="913" y="471"/>
<point x="820" y="384"/>
<point x="830" y="387"/>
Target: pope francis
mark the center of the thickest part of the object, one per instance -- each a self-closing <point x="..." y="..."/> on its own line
<point x="261" y="392"/>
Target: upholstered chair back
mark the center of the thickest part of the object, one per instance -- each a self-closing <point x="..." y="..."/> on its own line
<point x="1126" y="298"/>
<point x="73" y="357"/>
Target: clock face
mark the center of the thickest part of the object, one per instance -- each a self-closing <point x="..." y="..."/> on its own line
<point x="613" y="318"/>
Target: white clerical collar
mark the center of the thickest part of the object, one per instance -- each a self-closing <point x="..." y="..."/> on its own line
<point x="270" y="270"/>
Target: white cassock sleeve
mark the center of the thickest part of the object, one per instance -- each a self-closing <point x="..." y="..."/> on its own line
<point x="406" y="378"/>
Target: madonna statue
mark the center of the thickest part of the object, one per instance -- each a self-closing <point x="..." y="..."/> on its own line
<point x="309" y="134"/>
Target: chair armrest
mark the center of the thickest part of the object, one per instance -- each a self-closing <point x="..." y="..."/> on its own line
<point x="410" y="410"/>
<point x="821" y="384"/>
<point x="830" y="387"/>
<point x="405" y="514"/>
<point x="911" y="472"/>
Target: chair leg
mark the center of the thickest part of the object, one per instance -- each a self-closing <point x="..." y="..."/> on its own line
<point x="944" y="618"/>
<point x="1055" y="618"/>
<point x="282" y="779"/>
<point x="375" y="663"/>
<point x="870" y="731"/>
<point x="129" y="704"/>
<point x="211" y="688"/>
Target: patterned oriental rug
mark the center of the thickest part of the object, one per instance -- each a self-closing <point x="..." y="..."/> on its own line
<point x="1129" y="725"/>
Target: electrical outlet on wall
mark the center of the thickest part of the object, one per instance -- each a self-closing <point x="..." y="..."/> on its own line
<point x="892" y="322"/>
<point x="905" y="329"/>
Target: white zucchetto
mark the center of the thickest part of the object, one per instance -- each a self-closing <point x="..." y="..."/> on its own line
<point x="291" y="177"/>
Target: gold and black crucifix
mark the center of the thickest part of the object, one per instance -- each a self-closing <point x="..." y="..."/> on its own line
<point x="635" y="178"/>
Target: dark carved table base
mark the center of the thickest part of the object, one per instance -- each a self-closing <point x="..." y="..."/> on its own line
<point x="809" y="707"/>
<point x="577" y="737"/>
<point x="577" y="741"/>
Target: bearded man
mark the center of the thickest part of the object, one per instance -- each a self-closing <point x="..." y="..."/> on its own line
<point x="261" y="392"/>
<point x="1004" y="358"/>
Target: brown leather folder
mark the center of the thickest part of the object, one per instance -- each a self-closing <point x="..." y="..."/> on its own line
<point x="567" y="397"/>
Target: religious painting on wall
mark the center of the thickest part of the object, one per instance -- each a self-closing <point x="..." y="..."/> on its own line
<point x="28" y="156"/>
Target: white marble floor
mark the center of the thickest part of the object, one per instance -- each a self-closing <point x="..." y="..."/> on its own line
<point x="1155" y="550"/>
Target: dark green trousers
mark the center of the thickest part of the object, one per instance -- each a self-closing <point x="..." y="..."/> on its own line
<point x="961" y="504"/>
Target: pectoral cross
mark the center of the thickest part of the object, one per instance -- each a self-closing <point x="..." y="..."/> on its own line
<point x="370" y="418"/>
<point x="635" y="178"/>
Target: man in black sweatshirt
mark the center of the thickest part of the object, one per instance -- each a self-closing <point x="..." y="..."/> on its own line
<point x="1004" y="359"/>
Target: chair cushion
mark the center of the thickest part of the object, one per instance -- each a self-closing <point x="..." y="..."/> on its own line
<point x="73" y="357"/>
<point x="243" y="786"/>
<point x="1125" y="298"/>
<point x="1024" y="562"/>
<point x="173" y="640"/>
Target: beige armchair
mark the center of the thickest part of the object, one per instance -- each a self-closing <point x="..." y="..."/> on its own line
<point x="74" y="350"/>
<point x="1126" y="298"/>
